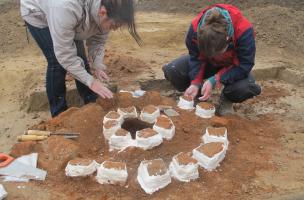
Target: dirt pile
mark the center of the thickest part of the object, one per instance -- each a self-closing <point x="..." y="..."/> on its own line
<point x="122" y="69"/>
<point x="242" y="160"/>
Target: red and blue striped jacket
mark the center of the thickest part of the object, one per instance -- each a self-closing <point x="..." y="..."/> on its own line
<point x="233" y="65"/>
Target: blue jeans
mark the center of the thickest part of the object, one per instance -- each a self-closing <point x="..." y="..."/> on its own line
<point x="55" y="75"/>
<point x="177" y="73"/>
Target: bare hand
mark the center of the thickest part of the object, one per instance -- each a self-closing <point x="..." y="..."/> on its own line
<point x="101" y="75"/>
<point x="101" y="90"/>
<point x="206" y="91"/>
<point x="191" y="91"/>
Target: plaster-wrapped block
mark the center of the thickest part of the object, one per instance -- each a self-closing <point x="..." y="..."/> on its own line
<point x="153" y="175"/>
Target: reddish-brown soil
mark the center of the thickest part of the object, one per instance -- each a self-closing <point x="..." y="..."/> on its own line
<point x="114" y="165"/>
<point x="206" y="106"/>
<point x="164" y="122"/>
<point x="112" y="115"/>
<point x="146" y="133"/>
<point x="121" y="132"/>
<point x="157" y="167"/>
<point x="110" y="124"/>
<point x="242" y="159"/>
<point x="185" y="159"/>
<point x="149" y="109"/>
<point x="81" y="161"/>
<point x="220" y="132"/>
<point x="210" y="149"/>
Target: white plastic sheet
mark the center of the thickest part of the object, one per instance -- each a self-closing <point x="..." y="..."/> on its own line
<point x="3" y="193"/>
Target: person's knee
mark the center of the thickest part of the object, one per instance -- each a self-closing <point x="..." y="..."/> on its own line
<point x="168" y="71"/>
<point x="239" y="92"/>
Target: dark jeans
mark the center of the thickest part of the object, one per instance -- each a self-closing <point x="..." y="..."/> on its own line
<point x="177" y="73"/>
<point x="55" y="75"/>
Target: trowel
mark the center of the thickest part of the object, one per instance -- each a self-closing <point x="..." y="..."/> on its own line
<point x="37" y="135"/>
<point x="168" y="110"/>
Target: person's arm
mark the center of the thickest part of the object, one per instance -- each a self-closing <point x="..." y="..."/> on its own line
<point x="196" y="66"/>
<point x="62" y="22"/>
<point x="245" y="49"/>
<point x="96" y="49"/>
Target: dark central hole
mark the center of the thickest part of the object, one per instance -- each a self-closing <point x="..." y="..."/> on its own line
<point x="133" y="125"/>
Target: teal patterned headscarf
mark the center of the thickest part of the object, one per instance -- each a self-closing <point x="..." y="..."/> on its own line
<point x="223" y="12"/>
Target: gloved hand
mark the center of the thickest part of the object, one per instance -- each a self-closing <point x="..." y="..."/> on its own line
<point x="191" y="91"/>
<point x="101" y="90"/>
<point x="206" y="90"/>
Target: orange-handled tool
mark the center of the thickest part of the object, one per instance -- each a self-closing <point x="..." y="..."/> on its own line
<point x="5" y="159"/>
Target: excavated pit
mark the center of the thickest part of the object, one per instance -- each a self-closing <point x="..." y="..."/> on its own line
<point x="133" y="125"/>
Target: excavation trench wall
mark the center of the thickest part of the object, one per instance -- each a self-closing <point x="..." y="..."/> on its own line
<point x="37" y="100"/>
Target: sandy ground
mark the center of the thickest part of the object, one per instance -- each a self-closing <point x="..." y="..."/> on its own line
<point x="22" y="72"/>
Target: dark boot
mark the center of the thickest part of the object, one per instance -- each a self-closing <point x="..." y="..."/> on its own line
<point x="225" y="106"/>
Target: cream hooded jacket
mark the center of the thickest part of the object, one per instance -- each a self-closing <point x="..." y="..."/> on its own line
<point x="70" y="20"/>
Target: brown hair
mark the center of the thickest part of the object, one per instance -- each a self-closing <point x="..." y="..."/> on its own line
<point x="212" y="36"/>
<point x="123" y="11"/>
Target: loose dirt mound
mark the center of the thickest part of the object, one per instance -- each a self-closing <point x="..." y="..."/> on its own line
<point x="242" y="160"/>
